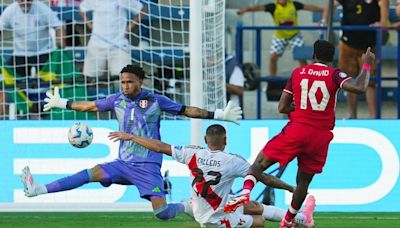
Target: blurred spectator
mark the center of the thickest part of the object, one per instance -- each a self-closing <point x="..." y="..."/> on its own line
<point x="398" y="8"/>
<point x="234" y="81"/>
<point x="108" y="48"/>
<point x="354" y="43"/>
<point x="72" y="34"/>
<point x="31" y="23"/>
<point x="397" y="24"/>
<point x="65" y="3"/>
<point x="284" y="13"/>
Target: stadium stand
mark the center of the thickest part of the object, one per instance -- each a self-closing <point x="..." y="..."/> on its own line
<point x="305" y="52"/>
<point x="161" y="52"/>
<point x="389" y="53"/>
<point x="156" y="12"/>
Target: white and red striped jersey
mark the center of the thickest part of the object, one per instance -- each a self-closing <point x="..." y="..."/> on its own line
<point x="212" y="174"/>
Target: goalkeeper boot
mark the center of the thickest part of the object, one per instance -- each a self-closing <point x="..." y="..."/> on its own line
<point x="308" y="211"/>
<point x="31" y="188"/>
<point x="236" y="202"/>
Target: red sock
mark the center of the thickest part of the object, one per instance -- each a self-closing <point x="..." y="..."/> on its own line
<point x="291" y="213"/>
<point x="249" y="183"/>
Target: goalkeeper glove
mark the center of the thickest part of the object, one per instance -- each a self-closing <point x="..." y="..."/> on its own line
<point x="54" y="100"/>
<point x="230" y="113"/>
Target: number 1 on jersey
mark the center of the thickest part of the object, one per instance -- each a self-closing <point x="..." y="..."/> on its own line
<point x="311" y="95"/>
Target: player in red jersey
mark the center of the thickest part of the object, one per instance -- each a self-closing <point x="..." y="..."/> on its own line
<point x="310" y="99"/>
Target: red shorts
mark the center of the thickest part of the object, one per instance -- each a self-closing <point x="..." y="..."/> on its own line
<point x="307" y="143"/>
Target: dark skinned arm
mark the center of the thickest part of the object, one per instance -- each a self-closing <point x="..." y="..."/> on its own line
<point x="286" y="103"/>
<point x="360" y="83"/>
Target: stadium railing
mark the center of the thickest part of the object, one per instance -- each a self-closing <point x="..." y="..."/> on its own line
<point x="382" y="53"/>
<point x="156" y="54"/>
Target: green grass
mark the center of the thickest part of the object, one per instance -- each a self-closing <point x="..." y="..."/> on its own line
<point x="145" y="219"/>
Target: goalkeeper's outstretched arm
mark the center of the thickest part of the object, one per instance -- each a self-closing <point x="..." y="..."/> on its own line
<point x="151" y="144"/>
<point x="230" y="113"/>
<point x="55" y="101"/>
<point x="83" y="106"/>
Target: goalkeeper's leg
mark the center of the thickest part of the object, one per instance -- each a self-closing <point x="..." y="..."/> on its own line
<point x="32" y="188"/>
<point x="96" y="174"/>
<point x="165" y="211"/>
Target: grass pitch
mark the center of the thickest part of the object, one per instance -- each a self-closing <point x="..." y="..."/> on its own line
<point x="146" y="219"/>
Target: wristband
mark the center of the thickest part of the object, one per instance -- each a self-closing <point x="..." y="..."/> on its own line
<point x="218" y="114"/>
<point x="69" y="104"/>
<point x="366" y="67"/>
<point x="210" y="115"/>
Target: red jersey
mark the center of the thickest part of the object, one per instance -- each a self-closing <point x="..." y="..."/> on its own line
<point x="314" y="88"/>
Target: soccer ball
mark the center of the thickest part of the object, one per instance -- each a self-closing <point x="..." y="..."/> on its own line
<point x="80" y="135"/>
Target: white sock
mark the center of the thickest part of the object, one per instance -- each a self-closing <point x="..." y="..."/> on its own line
<point x="40" y="189"/>
<point x="300" y="218"/>
<point x="273" y="213"/>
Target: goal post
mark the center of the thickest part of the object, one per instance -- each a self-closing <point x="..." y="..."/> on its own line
<point x="207" y="59"/>
<point x="196" y="67"/>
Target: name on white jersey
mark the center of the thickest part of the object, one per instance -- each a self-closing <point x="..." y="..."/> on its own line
<point x="208" y="162"/>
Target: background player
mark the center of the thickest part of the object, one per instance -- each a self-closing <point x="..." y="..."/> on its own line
<point x="137" y="111"/>
<point x="212" y="174"/>
<point x="312" y="89"/>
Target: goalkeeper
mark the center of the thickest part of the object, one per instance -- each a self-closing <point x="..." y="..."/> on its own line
<point x="138" y="112"/>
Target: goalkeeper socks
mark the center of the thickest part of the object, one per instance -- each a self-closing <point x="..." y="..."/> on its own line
<point x="40" y="189"/>
<point x="169" y="211"/>
<point x="70" y="182"/>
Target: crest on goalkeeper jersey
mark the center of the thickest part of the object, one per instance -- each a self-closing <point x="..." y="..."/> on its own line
<point x="143" y="103"/>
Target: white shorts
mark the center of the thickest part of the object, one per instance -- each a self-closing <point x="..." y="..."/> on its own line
<point x="235" y="219"/>
<point x="99" y="60"/>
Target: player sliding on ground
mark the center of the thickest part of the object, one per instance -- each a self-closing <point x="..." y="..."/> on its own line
<point x="313" y="90"/>
<point x="212" y="172"/>
<point x="138" y="112"/>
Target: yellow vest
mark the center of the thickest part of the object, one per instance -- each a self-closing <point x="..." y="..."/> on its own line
<point x="285" y="16"/>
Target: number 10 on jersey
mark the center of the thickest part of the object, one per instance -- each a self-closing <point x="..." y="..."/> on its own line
<point x="310" y="94"/>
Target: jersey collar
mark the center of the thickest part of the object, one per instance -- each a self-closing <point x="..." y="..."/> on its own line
<point x="320" y="64"/>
